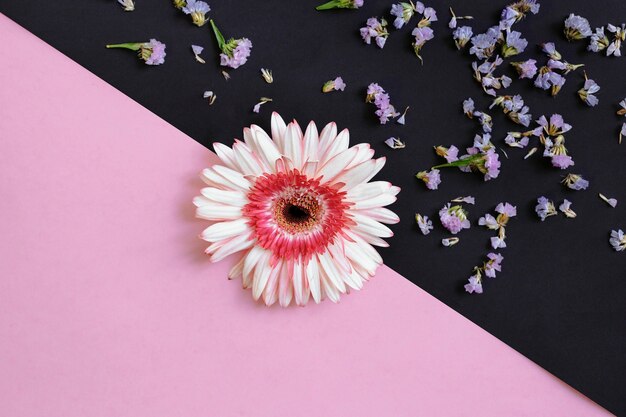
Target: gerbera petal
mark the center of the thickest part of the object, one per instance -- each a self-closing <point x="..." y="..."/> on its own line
<point x="293" y="145"/>
<point x="248" y="162"/>
<point x="265" y="147"/>
<point x="327" y="136"/>
<point x="331" y="272"/>
<point x="233" y="179"/>
<point x="368" y="225"/>
<point x="230" y="197"/>
<point x="336" y="165"/>
<point x="225" y="154"/>
<point x="359" y="257"/>
<point x="328" y="287"/>
<point x="237" y="269"/>
<point x="299" y="284"/>
<point x="278" y="131"/>
<point x="311" y="143"/>
<point x="225" y="230"/>
<point x="233" y="245"/>
<point x="364" y="153"/>
<point x="339" y="144"/>
<point x="285" y="285"/>
<point x="381" y="214"/>
<point x="270" y="294"/>
<point x="261" y="275"/>
<point x="313" y="278"/>
<point x="361" y="173"/>
<point x="218" y="212"/>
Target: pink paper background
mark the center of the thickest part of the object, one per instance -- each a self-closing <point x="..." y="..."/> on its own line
<point x="109" y="308"/>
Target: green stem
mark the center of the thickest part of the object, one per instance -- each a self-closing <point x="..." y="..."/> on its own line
<point x="460" y="163"/>
<point x="218" y="35"/>
<point x="134" y="46"/>
<point x="329" y="5"/>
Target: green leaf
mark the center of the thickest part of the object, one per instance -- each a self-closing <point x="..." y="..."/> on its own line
<point x="218" y="35"/>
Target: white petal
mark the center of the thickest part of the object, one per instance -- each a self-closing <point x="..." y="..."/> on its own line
<point x="218" y="212"/>
<point x="311" y="143"/>
<point x="368" y="225"/>
<point x="235" y="271"/>
<point x="232" y="198"/>
<point x="361" y="173"/>
<point x="380" y="200"/>
<point x="266" y="149"/>
<point x="293" y="145"/>
<point x="285" y="287"/>
<point x="364" y="153"/>
<point x="381" y="214"/>
<point x="252" y="258"/>
<point x="233" y="177"/>
<point x="225" y="154"/>
<point x="328" y="287"/>
<point x="225" y="230"/>
<point x="313" y="278"/>
<point x="300" y="286"/>
<point x="336" y="165"/>
<point x="366" y="191"/>
<point x="339" y="144"/>
<point x="367" y="248"/>
<point x="359" y="257"/>
<point x="233" y="245"/>
<point x="247" y="161"/>
<point x="270" y="295"/>
<point x="331" y="272"/>
<point x="278" y="131"/>
<point x="327" y="136"/>
<point x="261" y="275"/>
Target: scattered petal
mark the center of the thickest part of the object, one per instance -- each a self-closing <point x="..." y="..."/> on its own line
<point x="610" y="201"/>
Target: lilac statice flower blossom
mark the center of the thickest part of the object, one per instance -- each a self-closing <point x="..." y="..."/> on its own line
<point x="516" y="139"/>
<point x="403" y="12"/>
<point x="526" y="69"/>
<point x="468" y="107"/>
<point x="513" y="44"/>
<point x="334" y="85"/>
<point x="474" y="284"/>
<point x="378" y="96"/>
<point x="197" y="50"/>
<point x="599" y="41"/>
<point x="576" y="28"/>
<point x="610" y="201"/>
<point x="462" y="36"/>
<point x="545" y="208"/>
<point x="566" y="209"/>
<point x="575" y="182"/>
<point x="431" y="178"/>
<point x="505" y="212"/>
<point x="622" y="132"/>
<point x="235" y="52"/>
<point x="424" y="223"/>
<point x="453" y="20"/>
<point x="152" y="52"/>
<point x="450" y="154"/>
<point x="550" y="49"/>
<point x="586" y="93"/>
<point x="493" y="265"/>
<point x="375" y="29"/>
<point x="517" y="11"/>
<point x="422" y="35"/>
<point x="454" y="218"/>
<point x="197" y="10"/>
<point x="618" y="240"/>
<point x="484" y="44"/>
<point x="619" y="36"/>
<point x="395" y="143"/>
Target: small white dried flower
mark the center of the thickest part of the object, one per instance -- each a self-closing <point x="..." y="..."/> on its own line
<point x="469" y="200"/>
<point x="531" y="152"/>
<point x="128" y="5"/>
<point x="395" y="143"/>
<point x="450" y="241"/>
<point x="226" y="75"/>
<point x="267" y="75"/>
<point x="400" y="119"/>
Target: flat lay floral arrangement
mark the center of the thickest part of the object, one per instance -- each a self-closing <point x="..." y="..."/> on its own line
<point x="299" y="204"/>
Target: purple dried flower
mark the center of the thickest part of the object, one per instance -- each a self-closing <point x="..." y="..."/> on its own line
<point x="474" y="284"/>
<point x="586" y="93"/>
<point x="461" y="36"/>
<point x="576" y="28"/>
<point x="197" y="10"/>
<point x="235" y="52"/>
<point x="423" y="223"/>
<point x="550" y="49"/>
<point x="422" y="35"/>
<point x="545" y="208"/>
<point x="451" y="154"/>
<point x="403" y="12"/>
<point x="376" y="95"/>
<point x="566" y="209"/>
<point x="454" y="218"/>
<point x="375" y="29"/>
<point x="152" y="52"/>
<point x="334" y="85"/>
<point x="468" y="107"/>
<point x="599" y="41"/>
<point x="610" y="201"/>
<point x="395" y="143"/>
<point x="493" y="265"/>
<point x="622" y="132"/>
<point x="514" y="44"/>
<point x="526" y="69"/>
<point x="575" y="182"/>
<point x="619" y="35"/>
<point x="484" y="44"/>
<point x="431" y="178"/>
<point x="618" y="240"/>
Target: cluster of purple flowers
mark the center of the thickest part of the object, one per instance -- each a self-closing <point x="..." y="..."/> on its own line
<point x="403" y="12"/>
<point x="552" y="75"/>
<point x="514" y="108"/>
<point x="551" y="135"/>
<point x="375" y="29"/>
<point x="578" y="28"/>
<point x="385" y="110"/>
<point x="489" y="268"/>
<point x="546" y="208"/>
<point x="483" y="73"/>
<point x="505" y="212"/>
<point x="485" y="120"/>
<point x="454" y="218"/>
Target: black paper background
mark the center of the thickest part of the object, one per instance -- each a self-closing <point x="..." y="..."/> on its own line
<point x="561" y="298"/>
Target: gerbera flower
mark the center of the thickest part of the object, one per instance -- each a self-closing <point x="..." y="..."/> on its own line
<point x="299" y="210"/>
